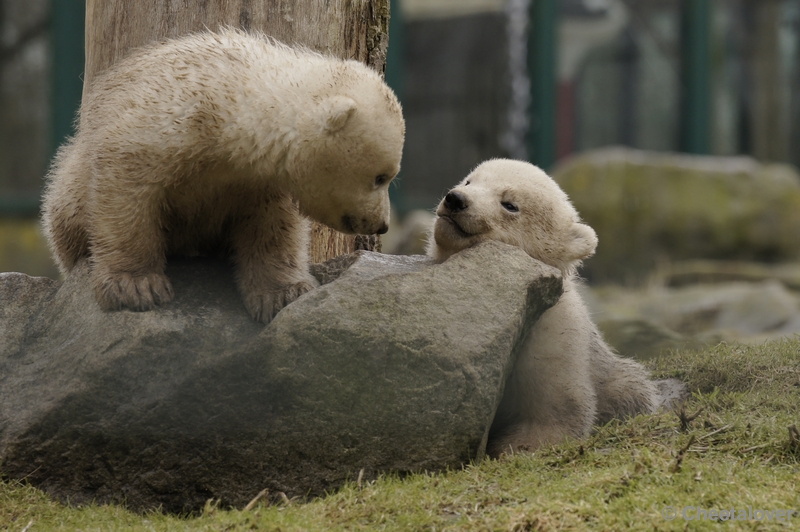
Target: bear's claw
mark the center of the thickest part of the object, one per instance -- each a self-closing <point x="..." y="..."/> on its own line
<point x="264" y="307"/>
<point x="139" y="293"/>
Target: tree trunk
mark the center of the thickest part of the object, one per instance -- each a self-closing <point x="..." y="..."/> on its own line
<point x="351" y="29"/>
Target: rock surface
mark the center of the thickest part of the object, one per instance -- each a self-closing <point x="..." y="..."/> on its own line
<point x="643" y="323"/>
<point x="394" y="365"/>
<point x="649" y="208"/>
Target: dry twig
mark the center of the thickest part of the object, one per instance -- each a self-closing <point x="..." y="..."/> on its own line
<point x="794" y="436"/>
<point x="251" y="504"/>
<point x="686" y="419"/>
<point x="679" y="457"/>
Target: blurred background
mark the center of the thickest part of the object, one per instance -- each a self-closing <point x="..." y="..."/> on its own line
<point x="674" y="125"/>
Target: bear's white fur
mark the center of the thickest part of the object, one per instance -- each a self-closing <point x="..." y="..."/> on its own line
<point x="221" y="142"/>
<point x="566" y="378"/>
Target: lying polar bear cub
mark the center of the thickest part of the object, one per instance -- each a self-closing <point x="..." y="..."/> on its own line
<point x="566" y="378"/>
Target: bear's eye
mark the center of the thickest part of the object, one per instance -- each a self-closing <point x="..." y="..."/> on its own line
<point x="510" y="207"/>
<point x="381" y="180"/>
<point x="466" y="183"/>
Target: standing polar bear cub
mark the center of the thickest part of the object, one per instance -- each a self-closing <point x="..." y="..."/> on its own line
<point x="221" y="142"/>
<point x="566" y="378"/>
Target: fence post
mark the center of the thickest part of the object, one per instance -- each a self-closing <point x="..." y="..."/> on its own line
<point x="542" y="44"/>
<point x="67" y="25"/>
<point x="696" y="77"/>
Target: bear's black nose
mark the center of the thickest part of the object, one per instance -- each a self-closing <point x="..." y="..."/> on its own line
<point x="383" y="229"/>
<point x="455" y="201"/>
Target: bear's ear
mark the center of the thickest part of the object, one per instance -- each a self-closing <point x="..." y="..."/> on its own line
<point x="336" y="111"/>
<point x="583" y="243"/>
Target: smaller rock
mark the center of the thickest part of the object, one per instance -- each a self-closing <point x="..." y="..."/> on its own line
<point x="643" y="323"/>
<point x="648" y="207"/>
<point x="642" y="339"/>
<point x="738" y="309"/>
<point x="689" y="272"/>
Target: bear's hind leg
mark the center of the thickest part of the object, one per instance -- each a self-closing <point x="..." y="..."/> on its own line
<point x="529" y="436"/>
<point x="623" y="386"/>
<point x="549" y="395"/>
<point x="128" y="248"/>
<point x="539" y="412"/>
<point x="270" y="244"/>
<point x="64" y="207"/>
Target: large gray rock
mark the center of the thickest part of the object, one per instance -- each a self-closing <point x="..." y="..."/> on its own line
<point x="396" y="364"/>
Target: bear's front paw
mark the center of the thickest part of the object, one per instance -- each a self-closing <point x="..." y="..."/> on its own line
<point x="263" y="307"/>
<point x="115" y="291"/>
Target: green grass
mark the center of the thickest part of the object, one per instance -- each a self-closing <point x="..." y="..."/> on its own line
<point x="739" y="451"/>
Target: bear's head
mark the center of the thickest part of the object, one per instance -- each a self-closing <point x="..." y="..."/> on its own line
<point x="348" y="152"/>
<point x="516" y="203"/>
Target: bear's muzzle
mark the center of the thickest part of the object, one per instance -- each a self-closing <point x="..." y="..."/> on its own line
<point x="455" y="202"/>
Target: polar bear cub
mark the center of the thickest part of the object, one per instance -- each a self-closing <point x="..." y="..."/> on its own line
<point x="221" y="142"/>
<point x="566" y="378"/>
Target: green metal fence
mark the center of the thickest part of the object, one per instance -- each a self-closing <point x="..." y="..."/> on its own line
<point x="67" y="30"/>
<point x="67" y="37"/>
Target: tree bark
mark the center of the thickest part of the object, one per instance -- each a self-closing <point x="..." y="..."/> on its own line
<point x="351" y="29"/>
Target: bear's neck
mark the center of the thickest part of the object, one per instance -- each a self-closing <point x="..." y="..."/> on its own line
<point x="267" y="113"/>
